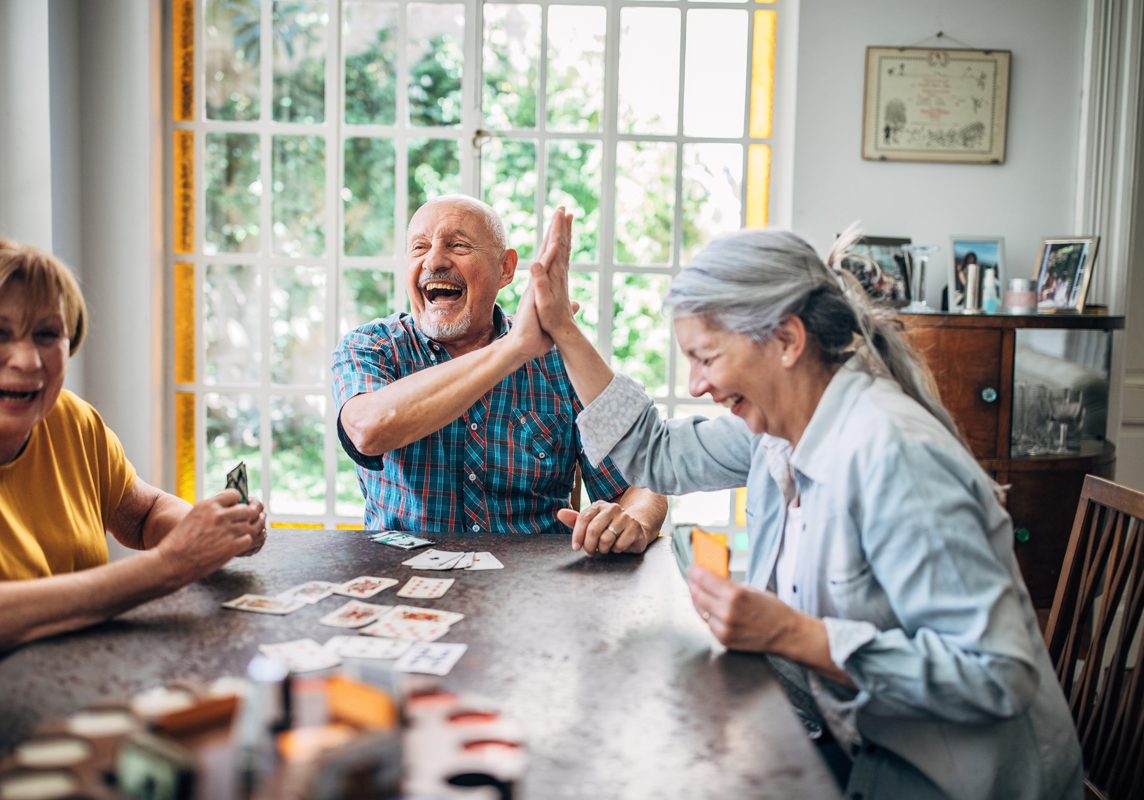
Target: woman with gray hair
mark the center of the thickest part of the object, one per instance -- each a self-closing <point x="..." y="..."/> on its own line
<point x="881" y="561"/>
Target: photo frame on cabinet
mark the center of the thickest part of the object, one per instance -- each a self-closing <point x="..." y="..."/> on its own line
<point x="1064" y="271"/>
<point x="985" y="251"/>
<point x="882" y="268"/>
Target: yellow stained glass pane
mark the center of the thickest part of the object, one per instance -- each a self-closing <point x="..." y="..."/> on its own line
<point x="184" y="323"/>
<point x="309" y="526"/>
<point x="183" y="58"/>
<point x="184" y="192"/>
<point x="344" y="527"/>
<point x="741" y="506"/>
<point x="762" y="74"/>
<point x="768" y="2"/>
<point x="185" y="445"/>
<point x="758" y="185"/>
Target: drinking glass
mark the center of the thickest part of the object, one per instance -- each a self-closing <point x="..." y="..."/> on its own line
<point x="918" y="255"/>
<point x="1066" y="411"/>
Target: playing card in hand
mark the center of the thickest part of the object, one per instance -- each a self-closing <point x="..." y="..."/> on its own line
<point x="236" y="479"/>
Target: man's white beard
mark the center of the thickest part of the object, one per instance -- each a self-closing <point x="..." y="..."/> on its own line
<point x="446" y="331"/>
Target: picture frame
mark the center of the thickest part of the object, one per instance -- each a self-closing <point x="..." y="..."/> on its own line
<point x="1064" y="270"/>
<point x="935" y="104"/>
<point x="881" y="267"/>
<point x="986" y="251"/>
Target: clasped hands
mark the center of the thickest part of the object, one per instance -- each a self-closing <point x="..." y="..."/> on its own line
<point x="546" y="313"/>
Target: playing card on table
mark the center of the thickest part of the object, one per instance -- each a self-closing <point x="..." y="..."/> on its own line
<point x="236" y="479"/>
<point x="465" y="561"/>
<point x="484" y="561"/>
<point x="411" y="629"/>
<point x="425" y="588"/>
<point x="301" y="655"/>
<point x="430" y="659"/>
<point x="354" y="614"/>
<point x="434" y="559"/>
<point x="261" y="604"/>
<point x="365" y="586"/>
<point x="366" y="647"/>
<point x="418" y="614"/>
<point x="311" y="591"/>
<point x="406" y="541"/>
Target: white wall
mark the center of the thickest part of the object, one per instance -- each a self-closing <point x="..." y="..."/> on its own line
<point x="1030" y="196"/>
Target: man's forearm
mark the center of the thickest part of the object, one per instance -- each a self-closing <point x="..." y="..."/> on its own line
<point x="647" y="507"/>
<point x="417" y="405"/>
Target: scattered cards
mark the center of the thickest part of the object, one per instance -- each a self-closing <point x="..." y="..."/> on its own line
<point x="447" y="559"/>
<point x="425" y="588"/>
<point x="406" y="541"/>
<point x="365" y="586"/>
<point x="354" y="614"/>
<point x="430" y="659"/>
<point x="366" y="647"/>
<point x="261" y="604"/>
<point x="302" y="655"/>
<point x="310" y="591"/>
<point x="236" y="479"/>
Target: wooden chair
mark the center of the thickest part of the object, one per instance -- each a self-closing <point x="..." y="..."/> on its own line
<point x="1093" y="636"/>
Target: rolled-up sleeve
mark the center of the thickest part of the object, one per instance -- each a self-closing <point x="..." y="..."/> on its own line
<point x="360" y="365"/>
<point x="964" y="650"/>
<point x="670" y="457"/>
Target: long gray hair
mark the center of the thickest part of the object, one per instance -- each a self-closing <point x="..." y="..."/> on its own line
<point x="749" y="282"/>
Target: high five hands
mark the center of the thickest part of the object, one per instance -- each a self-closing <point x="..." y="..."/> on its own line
<point x="545" y="309"/>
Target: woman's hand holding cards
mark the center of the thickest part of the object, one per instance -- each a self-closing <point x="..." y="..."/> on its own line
<point x="213" y="532"/>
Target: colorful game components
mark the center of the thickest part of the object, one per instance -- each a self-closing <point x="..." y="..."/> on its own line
<point x="710" y="551"/>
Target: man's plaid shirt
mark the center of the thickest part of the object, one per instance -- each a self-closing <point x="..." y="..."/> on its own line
<point x="506" y="465"/>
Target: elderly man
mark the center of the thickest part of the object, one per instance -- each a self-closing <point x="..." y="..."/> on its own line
<point x="458" y="421"/>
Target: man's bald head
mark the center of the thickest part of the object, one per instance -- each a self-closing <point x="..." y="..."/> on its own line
<point x="492" y="221"/>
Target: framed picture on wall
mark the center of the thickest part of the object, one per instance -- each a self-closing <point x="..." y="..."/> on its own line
<point x="1064" y="271"/>
<point x="880" y="265"/>
<point x="935" y="104"/>
<point x="985" y="251"/>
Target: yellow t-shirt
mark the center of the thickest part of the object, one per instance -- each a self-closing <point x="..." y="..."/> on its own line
<point x="56" y="498"/>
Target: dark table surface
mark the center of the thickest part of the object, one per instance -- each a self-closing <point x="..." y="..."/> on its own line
<point x="621" y="690"/>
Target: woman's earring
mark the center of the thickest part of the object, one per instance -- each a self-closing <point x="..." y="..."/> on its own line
<point x="786" y="359"/>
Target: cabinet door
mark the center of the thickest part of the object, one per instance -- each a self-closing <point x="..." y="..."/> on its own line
<point x="966" y="363"/>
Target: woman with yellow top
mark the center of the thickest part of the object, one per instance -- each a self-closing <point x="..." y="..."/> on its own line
<point x="65" y="480"/>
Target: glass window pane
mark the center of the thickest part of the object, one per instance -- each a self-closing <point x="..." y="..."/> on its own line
<point x="233" y="423"/>
<point x="436" y="35"/>
<point x="716" y="79"/>
<point x="712" y="186"/>
<point x="300" y="32"/>
<point x="232" y="193"/>
<point x="640" y="332"/>
<point x="232" y="314"/>
<point x="369" y="187"/>
<point x="366" y="295"/>
<point x="349" y="501"/>
<point x="369" y="38"/>
<point x="645" y="202"/>
<point x="585" y="290"/>
<point x="297" y="465"/>
<point x="574" y="178"/>
<point x="575" y="92"/>
<point x="299" y="353"/>
<point x="649" y="70"/>
<point x="299" y="195"/>
<point x="511" y="65"/>
<point x="434" y="170"/>
<point x="508" y="181"/>
<point x="231" y="55"/>
<point x="509" y="297"/>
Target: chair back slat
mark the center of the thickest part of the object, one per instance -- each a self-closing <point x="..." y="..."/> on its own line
<point x="1093" y="635"/>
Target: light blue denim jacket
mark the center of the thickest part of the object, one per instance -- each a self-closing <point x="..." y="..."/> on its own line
<point x="908" y="559"/>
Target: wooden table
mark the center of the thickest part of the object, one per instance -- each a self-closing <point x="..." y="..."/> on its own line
<point x="620" y="688"/>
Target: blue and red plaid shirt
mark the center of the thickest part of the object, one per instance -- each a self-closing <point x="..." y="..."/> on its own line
<point x="504" y="466"/>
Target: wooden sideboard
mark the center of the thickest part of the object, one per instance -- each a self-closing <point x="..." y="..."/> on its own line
<point x="973" y="361"/>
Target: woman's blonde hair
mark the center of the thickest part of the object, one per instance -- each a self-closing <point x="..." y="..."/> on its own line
<point x="47" y="282"/>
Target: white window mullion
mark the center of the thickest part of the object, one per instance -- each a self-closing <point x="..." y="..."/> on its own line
<point x="608" y="180"/>
<point x="266" y="244"/>
<point x="335" y="158"/>
<point x="468" y="149"/>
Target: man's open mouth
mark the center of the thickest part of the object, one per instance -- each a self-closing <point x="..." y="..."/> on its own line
<point x="441" y="290"/>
